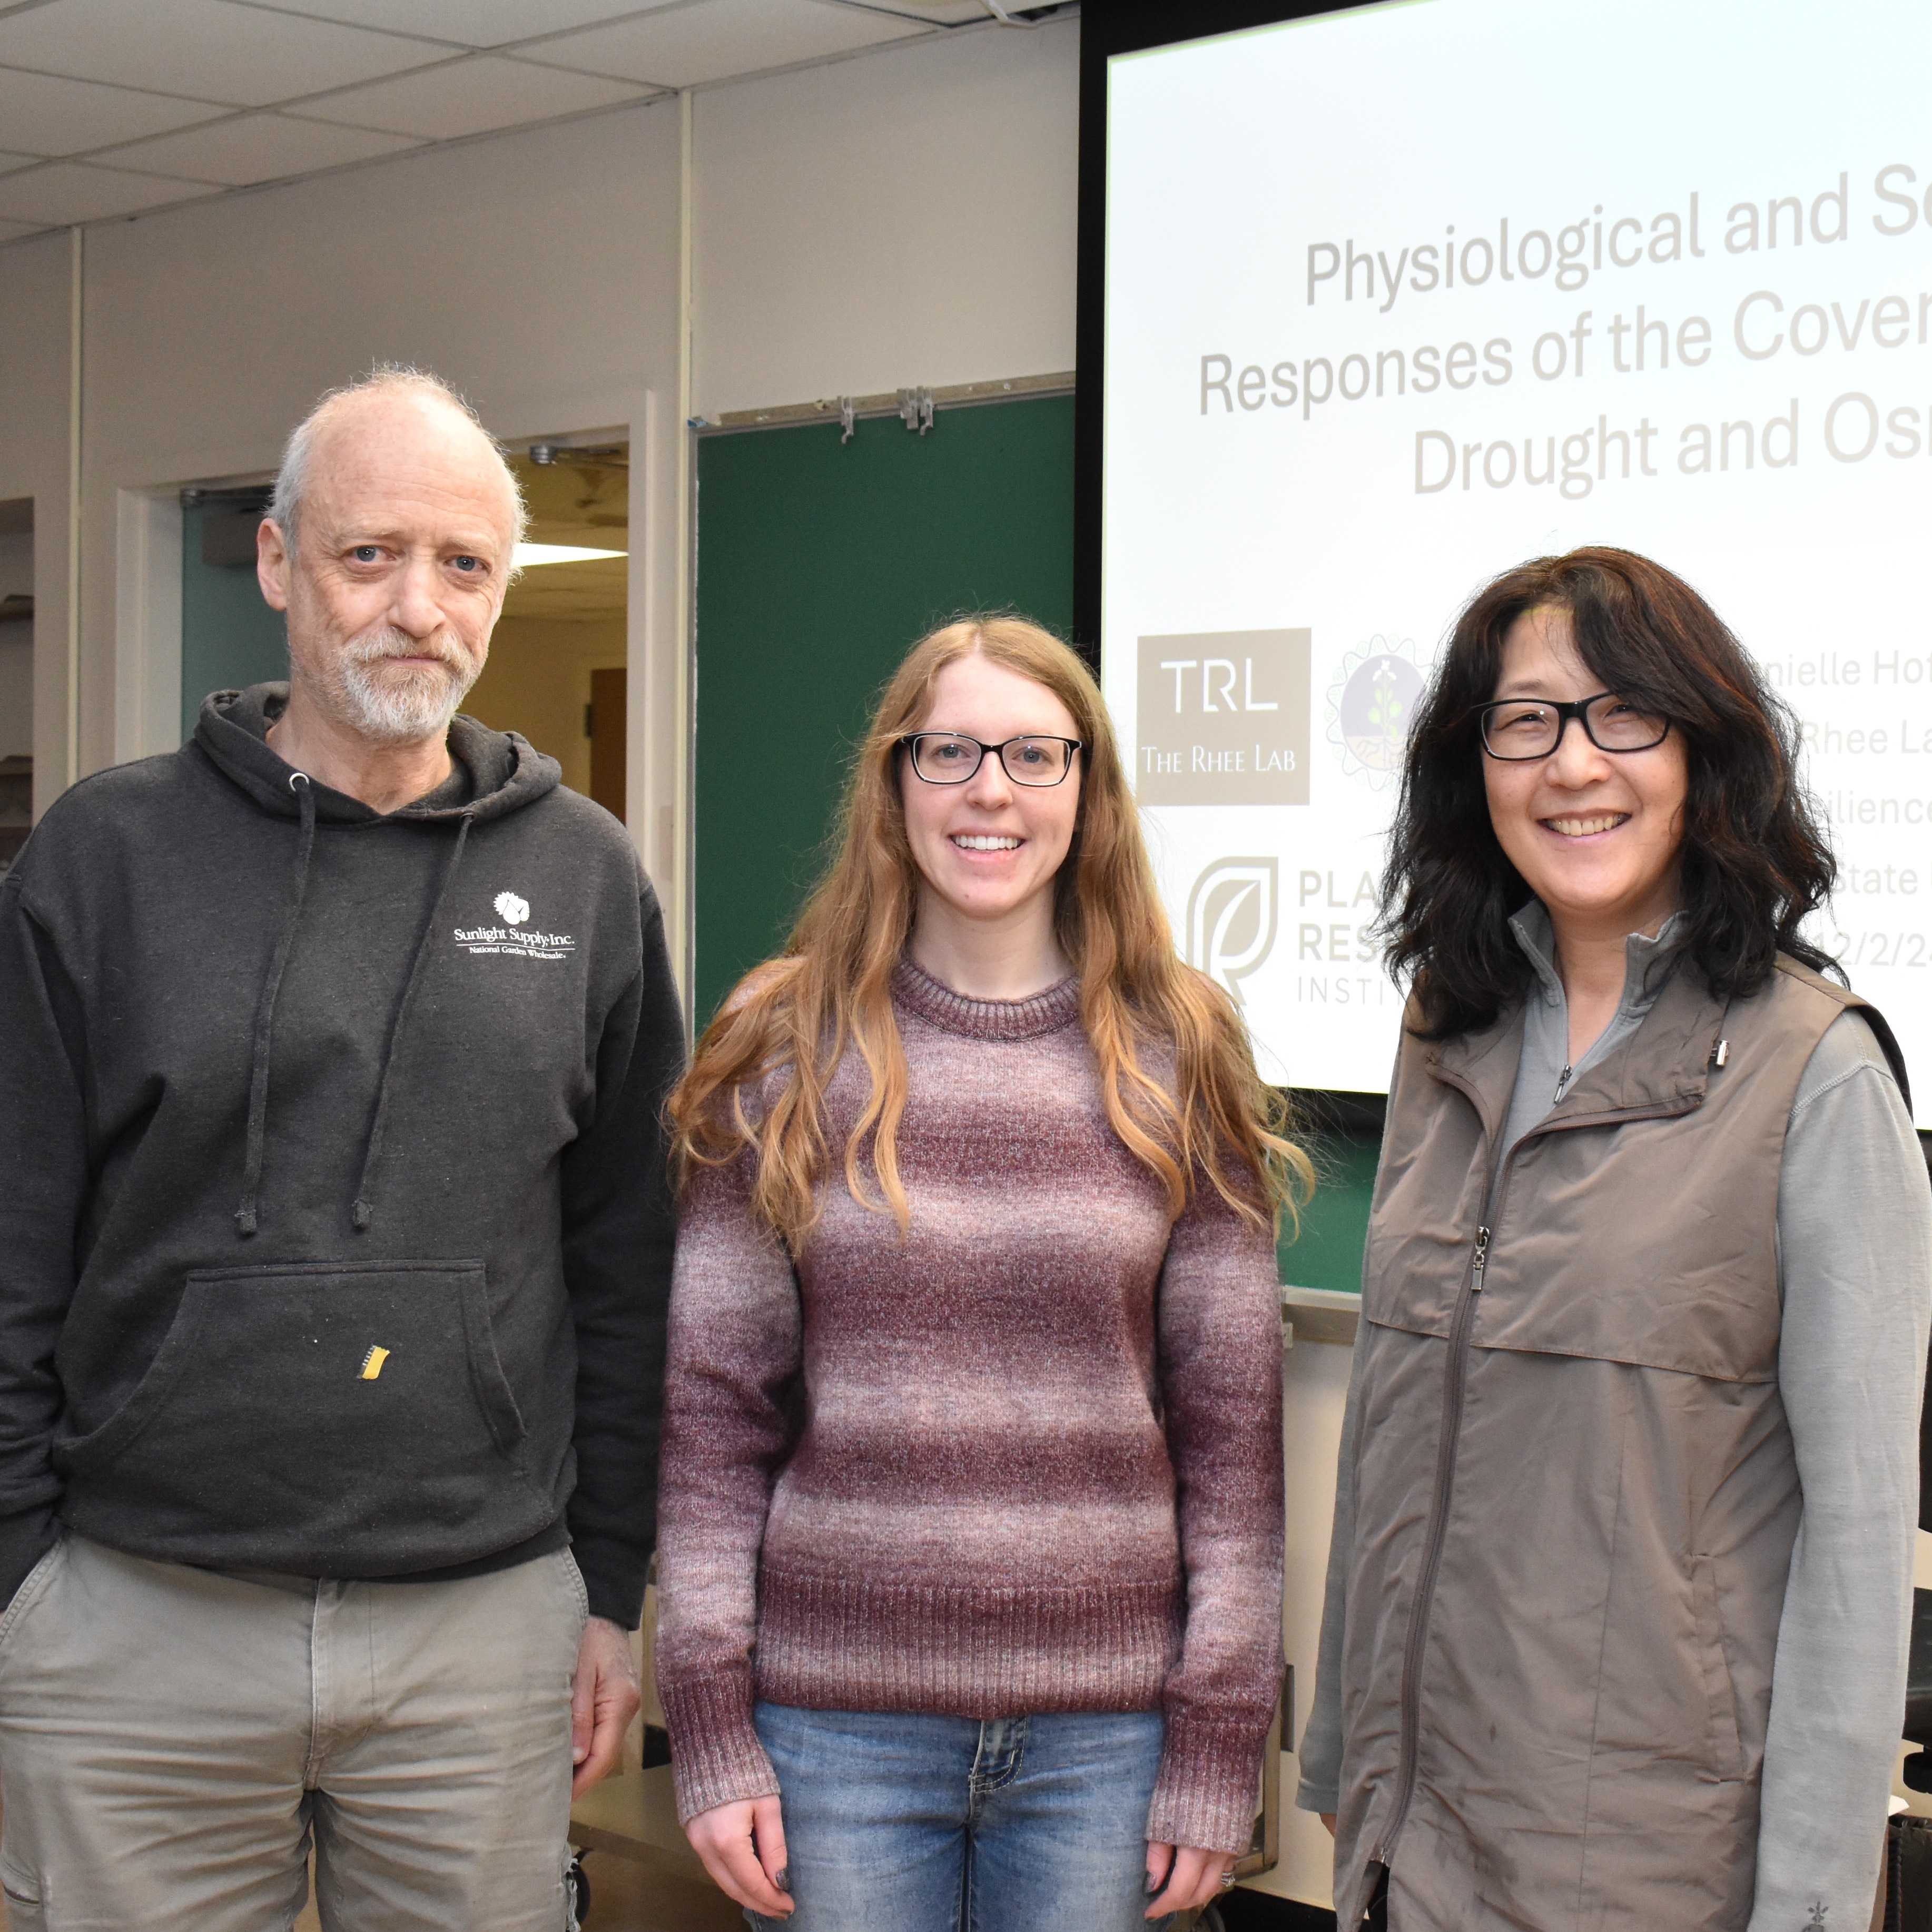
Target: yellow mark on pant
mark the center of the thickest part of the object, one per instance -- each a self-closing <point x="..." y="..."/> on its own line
<point x="372" y="1363"/>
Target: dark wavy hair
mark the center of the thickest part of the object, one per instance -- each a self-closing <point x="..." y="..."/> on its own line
<point x="1755" y="863"/>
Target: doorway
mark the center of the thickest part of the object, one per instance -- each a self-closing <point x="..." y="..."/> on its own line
<point x="230" y="639"/>
<point x="557" y="663"/>
<point x="17" y="675"/>
<point x="556" y="671"/>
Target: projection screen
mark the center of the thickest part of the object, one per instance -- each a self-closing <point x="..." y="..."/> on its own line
<point x="1396" y="297"/>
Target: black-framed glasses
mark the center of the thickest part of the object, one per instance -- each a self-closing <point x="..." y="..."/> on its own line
<point x="1517" y="728"/>
<point x="945" y="757"/>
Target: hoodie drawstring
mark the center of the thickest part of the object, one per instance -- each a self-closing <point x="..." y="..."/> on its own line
<point x="364" y="1208"/>
<point x="245" y="1221"/>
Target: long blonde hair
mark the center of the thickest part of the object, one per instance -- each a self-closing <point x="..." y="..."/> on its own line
<point x="777" y="1041"/>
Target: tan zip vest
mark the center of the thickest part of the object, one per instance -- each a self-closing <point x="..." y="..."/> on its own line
<point x="1575" y="1496"/>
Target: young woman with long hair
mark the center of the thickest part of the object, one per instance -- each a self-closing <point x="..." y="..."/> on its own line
<point x="1619" y="1594"/>
<point x="970" y="1562"/>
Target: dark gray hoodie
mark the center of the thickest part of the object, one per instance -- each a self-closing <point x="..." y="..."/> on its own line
<point x="334" y="1230"/>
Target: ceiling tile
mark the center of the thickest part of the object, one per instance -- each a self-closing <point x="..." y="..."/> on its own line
<point x="243" y="56"/>
<point x="468" y="97"/>
<point x="47" y="116"/>
<point x="12" y="231"/>
<point x="256" y="147"/>
<point x="8" y="163"/>
<point x="66" y="191"/>
<point x="470" y="23"/>
<point x="948" y="13"/>
<point x="712" y="40"/>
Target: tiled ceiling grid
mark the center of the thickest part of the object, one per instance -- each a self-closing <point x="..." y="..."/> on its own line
<point x="112" y="107"/>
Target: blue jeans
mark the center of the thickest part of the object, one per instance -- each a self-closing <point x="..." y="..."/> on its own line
<point x="895" y="1823"/>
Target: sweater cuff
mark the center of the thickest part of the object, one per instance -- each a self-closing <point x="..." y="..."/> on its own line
<point x="716" y="1756"/>
<point x="1309" y="1796"/>
<point x="1210" y="1787"/>
<point x="613" y="1579"/>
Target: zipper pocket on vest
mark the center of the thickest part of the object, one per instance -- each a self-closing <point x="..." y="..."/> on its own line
<point x="1727" y="1749"/>
<point x="1455" y="1379"/>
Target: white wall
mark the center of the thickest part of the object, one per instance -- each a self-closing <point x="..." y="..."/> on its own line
<point x="35" y="357"/>
<point x="538" y="271"/>
<point x="903" y="217"/>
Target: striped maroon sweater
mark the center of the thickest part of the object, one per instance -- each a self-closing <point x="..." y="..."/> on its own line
<point x="1026" y="1459"/>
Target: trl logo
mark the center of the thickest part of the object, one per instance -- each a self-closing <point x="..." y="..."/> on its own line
<point x="1231" y="920"/>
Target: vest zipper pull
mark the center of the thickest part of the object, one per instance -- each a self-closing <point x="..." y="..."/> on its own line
<point x="1562" y="1081"/>
<point x="1482" y="1258"/>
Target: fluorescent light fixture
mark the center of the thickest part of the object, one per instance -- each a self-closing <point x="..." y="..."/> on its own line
<point x="528" y="556"/>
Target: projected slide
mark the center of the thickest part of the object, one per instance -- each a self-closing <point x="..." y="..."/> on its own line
<point x="1398" y="297"/>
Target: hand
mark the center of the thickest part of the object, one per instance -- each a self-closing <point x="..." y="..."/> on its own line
<point x="604" y="1698"/>
<point x="743" y="1848"/>
<point x="1328" y="1819"/>
<point x="1192" y="1876"/>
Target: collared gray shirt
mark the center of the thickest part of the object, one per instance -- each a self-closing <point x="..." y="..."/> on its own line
<point x="1855" y="1275"/>
<point x="1545" y="1075"/>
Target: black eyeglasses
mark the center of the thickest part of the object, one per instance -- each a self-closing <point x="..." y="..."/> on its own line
<point x="944" y="758"/>
<point x="1521" y="728"/>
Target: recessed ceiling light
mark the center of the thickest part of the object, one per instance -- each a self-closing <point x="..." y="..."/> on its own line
<point x="528" y="556"/>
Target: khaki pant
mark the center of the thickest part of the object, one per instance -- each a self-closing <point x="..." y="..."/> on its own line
<point x="172" y="1741"/>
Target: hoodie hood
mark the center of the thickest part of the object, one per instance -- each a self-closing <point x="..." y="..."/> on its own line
<point x="506" y="771"/>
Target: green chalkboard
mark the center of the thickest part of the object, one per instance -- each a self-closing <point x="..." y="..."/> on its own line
<point x="230" y="637"/>
<point x="819" y="563"/>
<point x="1328" y="1251"/>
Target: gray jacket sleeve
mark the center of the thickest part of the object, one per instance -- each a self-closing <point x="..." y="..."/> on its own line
<point x="1320" y="1787"/>
<point x="1855" y="1242"/>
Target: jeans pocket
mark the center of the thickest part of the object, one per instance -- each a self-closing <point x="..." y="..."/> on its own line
<point x="573" y="1579"/>
<point x="33" y="1586"/>
<point x="23" y="1893"/>
<point x="351" y="1405"/>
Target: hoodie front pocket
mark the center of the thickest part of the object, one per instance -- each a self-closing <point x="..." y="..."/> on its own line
<point x="339" y="1398"/>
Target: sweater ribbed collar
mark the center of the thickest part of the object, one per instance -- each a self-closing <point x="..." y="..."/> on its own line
<point x="919" y="992"/>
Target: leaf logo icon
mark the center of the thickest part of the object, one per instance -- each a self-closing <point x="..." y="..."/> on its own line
<point x="515" y="910"/>
<point x="1231" y="919"/>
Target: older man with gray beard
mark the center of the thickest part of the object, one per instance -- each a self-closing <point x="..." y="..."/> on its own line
<point x="334" y="1246"/>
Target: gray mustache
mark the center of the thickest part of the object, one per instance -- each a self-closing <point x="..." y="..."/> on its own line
<point x="378" y="650"/>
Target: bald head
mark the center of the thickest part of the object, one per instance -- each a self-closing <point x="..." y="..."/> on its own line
<point x="393" y="409"/>
<point x="389" y="545"/>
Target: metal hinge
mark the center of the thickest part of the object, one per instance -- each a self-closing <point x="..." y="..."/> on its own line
<point x="916" y="408"/>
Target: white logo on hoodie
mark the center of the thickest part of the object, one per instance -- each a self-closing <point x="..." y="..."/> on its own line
<point x="515" y="935"/>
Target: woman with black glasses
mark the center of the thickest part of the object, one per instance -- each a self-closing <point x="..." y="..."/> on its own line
<point x="1619" y="1593"/>
<point x="970" y="1542"/>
